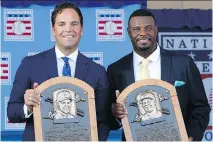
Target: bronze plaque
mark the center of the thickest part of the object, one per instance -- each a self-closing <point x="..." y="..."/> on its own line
<point x="154" y="112"/>
<point x="66" y="112"/>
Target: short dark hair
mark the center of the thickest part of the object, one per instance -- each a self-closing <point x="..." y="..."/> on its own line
<point x="60" y="7"/>
<point x="141" y="12"/>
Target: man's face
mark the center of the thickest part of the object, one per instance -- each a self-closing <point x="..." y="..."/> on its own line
<point x="65" y="106"/>
<point x="67" y="29"/>
<point x="148" y="105"/>
<point x="142" y="32"/>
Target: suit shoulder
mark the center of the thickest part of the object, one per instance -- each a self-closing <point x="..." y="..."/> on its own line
<point x="37" y="58"/>
<point x="41" y="54"/>
<point x="121" y="62"/>
<point x="180" y="60"/>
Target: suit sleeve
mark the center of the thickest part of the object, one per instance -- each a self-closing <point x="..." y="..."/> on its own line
<point x="101" y="101"/>
<point x="15" y="111"/>
<point x="199" y="108"/>
<point x="113" y="122"/>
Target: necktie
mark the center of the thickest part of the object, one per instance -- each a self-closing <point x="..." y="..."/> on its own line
<point x="66" y="68"/>
<point x="145" y="71"/>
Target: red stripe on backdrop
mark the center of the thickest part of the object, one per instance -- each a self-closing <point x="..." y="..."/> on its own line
<point x="108" y="34"/>
<point x="5" y="71"/>
<point x="4" y="65"/>
<point x="4" y="77"/>
<point x="13" y="21"/>
<point x="209" y="128"/>
<point x="20" y="34"/>
<point x="28" y="28"/>
<point x="103" y="22"/>
<point x="203" y="76"/>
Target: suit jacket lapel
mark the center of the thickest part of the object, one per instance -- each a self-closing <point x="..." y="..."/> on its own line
<point x="166" y="61"/>
<point x="129" y="71"/>
<point x="51" y="63"/>
<point x="81" y="67"/>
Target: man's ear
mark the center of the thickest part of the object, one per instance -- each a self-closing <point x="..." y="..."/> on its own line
<point x="53" y="31"/>
<point x="81" y="30"/>
<point x="156" y="30"/>
<point x="128" y="30"/>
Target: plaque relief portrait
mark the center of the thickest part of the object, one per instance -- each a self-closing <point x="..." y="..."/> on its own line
<point x="148" y="106"/>
<point x="64" y="104"/>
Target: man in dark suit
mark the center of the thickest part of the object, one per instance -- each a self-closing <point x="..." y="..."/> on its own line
<point x="62" y="60"/>
<point x="164" y="65"/>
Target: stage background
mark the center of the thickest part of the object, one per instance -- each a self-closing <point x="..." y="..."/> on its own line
<point x="96" y="42"/>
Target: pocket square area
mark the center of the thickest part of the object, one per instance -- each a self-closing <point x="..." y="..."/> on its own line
<point x="179" y="83"/>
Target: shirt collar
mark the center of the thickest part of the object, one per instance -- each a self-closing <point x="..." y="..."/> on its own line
<point x="153" y="57"/>
<point x="72" y="56"/>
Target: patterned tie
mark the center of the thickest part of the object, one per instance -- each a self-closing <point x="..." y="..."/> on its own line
<point x="66" y="69"/>
<point x="145" y="71"/>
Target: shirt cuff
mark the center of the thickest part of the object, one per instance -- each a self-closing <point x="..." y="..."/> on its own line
<point x="27" y="114"/>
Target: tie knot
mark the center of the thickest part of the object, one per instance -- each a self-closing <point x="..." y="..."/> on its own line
<point x="145" y="62"/>
<point x="66" y="59"/>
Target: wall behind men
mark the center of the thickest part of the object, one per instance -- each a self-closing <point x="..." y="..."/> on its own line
<point x="26" y="31"/>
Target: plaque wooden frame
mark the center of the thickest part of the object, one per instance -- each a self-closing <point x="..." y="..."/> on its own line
<point x="174" y="99"/>
<point x="91" y="105"/>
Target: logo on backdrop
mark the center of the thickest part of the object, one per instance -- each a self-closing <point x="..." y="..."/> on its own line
<point x="110" y="25"/>
<point x="5" y="68"/>
<point x="8" y="124"/>
<point x="97" y="57"/>
<point x="18" y="24"/>
<point x="196" y="45"/>
<point x="199" y="47"/>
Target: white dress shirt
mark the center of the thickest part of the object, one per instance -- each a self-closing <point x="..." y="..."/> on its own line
<point x="60" y="63"/>
<point x="154" y="66"/>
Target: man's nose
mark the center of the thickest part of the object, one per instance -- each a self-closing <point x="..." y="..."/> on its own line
<point x="142" y="31"/>
<point x="69" y="28"/>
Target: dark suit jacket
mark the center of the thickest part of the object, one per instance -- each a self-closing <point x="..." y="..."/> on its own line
<point x="174" y="67"/>
<point x="42" y="67"/>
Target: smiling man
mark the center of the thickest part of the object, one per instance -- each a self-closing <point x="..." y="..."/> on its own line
<point x="62" y="60"/>
<point x="149" y="61"/>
